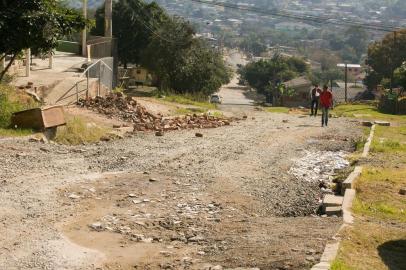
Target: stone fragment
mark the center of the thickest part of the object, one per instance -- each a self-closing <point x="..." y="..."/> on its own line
<point x="97" y="226"/>
<point x="73" y="196"/>
<point x="199" y="135"/>
<point x="402" y="191"/>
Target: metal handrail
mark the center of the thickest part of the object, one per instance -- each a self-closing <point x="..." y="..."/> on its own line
<point x="92" y="65"/>
<point x="70" y="89"/>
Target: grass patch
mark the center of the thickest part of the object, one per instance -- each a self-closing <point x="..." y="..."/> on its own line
<point x="369" y="246"/>
<point x="183" y="111"/>
<point x="277" y="109"/>
<point x="8" y="132"/>
<point x="11" y="101"/>
<point x="217" y="114"/>
<point x="366" y="111"/>
<point x="77" y="131"/>
<point x="189" y="100"/>
<point x="389" y="139"/>
<point x="340" y="265"/>
<point x="378" y="194"/>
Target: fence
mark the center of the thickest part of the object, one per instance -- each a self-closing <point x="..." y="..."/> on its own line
<point x="96" y="80"/>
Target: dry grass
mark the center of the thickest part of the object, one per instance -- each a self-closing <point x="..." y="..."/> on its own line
<point x="78" y="131"/>
<point x="8" y="132"/>
<point x="368" y="246"/>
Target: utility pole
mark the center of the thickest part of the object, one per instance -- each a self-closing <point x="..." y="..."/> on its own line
<point x="346" y="82"/>
<point x="393" y="60"/>
<point x="28" y="62"/>
<point x="108" y="18"/>
<point x="84" y="32"/>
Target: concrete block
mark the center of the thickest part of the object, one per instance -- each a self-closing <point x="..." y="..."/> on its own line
<point x="332" y="200"/>
<point x="334" y="211"/>
<point x="349" y="182"/>
<point x="382" y="123"/>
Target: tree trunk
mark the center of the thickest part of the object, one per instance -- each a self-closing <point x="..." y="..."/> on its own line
<point x="3" y="73"/>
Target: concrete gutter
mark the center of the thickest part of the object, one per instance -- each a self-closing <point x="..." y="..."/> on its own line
<point x="331" y="249"/>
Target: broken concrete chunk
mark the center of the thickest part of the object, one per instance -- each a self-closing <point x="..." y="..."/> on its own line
<point x="97" y="226"/>
<point x="332" y="200"/>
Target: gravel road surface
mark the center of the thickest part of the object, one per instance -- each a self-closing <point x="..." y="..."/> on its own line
<point x="171" y="202"/>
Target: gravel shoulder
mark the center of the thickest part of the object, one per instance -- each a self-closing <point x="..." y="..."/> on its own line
<point x="231" y="190"/>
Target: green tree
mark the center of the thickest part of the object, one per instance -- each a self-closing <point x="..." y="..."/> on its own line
<point x="400" y="76"/>
<point x="134" y="23"/>
<point x="35" y="24"/>
<point x="267" y="76"/>
<point x="385" y="56"/>
<point x="183" y="63"/>
<point x="357" y="38"/>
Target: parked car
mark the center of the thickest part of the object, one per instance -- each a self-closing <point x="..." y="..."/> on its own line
<point x="216" y="98"/>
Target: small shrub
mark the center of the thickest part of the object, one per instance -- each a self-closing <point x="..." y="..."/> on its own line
<point x="11" y="101"/>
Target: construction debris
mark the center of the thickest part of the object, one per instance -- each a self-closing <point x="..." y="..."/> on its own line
<point x="116" y="105"/>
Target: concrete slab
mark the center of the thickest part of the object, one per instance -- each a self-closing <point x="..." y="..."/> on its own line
<point x="349" y="182"/>
<point x="347" y="205"/>
<point x="333" y="211"/>
<point x="332" y="200"/>
<point x="367" y="146"/>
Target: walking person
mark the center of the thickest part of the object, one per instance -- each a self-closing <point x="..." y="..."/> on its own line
<point x="326" y="102"/>
<point x="315" y="99"/>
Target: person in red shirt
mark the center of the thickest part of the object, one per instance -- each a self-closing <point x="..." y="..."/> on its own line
<point x="326" y="102"/>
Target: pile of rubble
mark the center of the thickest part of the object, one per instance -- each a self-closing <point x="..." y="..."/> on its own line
<point x="116" y="105"/>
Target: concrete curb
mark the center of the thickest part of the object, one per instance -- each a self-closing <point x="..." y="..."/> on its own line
<point x="367" y="146"/>
<point x="331" y="249"/>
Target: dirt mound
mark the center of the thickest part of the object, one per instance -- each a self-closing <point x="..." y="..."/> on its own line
<point x="116" y="105"/>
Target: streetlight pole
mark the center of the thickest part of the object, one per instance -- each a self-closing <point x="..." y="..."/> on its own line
<point x="108" y="24"/>
<point x="84" y="32"/>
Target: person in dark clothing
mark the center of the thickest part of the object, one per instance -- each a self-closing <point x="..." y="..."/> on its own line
<point x="326" y="102"/>
<point x="315" y="97"/>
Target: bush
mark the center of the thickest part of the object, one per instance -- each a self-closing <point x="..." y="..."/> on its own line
<point x="11" y="100"/>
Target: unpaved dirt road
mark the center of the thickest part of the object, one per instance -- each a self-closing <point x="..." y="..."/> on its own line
<point x="172" y="202"/>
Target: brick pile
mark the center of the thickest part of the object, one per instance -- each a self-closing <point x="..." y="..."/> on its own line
<point x="116" y="105"/>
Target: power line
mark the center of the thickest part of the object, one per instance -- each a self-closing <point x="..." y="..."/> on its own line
<point x="308" y="18"/>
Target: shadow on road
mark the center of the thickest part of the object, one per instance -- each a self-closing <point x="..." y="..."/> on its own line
<point x="393" y="253"/>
